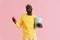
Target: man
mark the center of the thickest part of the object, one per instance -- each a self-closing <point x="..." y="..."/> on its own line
<point x="28" y="22"/>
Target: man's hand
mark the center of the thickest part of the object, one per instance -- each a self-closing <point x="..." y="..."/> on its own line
<point x="14" y="20"/>
<point x="39" y="25"/>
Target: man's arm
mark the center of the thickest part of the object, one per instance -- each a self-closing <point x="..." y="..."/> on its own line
<point x="18" y="24"/>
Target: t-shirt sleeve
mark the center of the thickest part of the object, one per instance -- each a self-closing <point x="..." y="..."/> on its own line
<point x="35" y="16"/>
<point x="19" y="24"/>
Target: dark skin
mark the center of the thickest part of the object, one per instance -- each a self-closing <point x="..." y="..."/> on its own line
<point x="29" y="12"/>
<point x="39" y="25"/>
<point x="14" y="20"/>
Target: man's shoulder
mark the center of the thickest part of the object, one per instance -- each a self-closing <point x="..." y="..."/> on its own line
<point x="34" y="15"/>
<point x="23" y="15"/>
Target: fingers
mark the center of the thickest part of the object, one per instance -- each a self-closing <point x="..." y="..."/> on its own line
<point x="14" y="20"/>
<point x="39" y="25"/>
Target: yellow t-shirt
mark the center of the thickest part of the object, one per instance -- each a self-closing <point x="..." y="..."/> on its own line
<point x="28" y="24"/>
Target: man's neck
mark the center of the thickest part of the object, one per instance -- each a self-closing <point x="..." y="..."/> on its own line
<point x="29" y="14"/>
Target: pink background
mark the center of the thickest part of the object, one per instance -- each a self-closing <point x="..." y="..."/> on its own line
<point x="48" y="10"/>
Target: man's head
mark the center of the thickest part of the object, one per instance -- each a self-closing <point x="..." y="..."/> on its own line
<point x="29" y="9"/>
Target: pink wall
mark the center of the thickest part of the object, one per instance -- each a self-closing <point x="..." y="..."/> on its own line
<point x="49" y="10"/>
